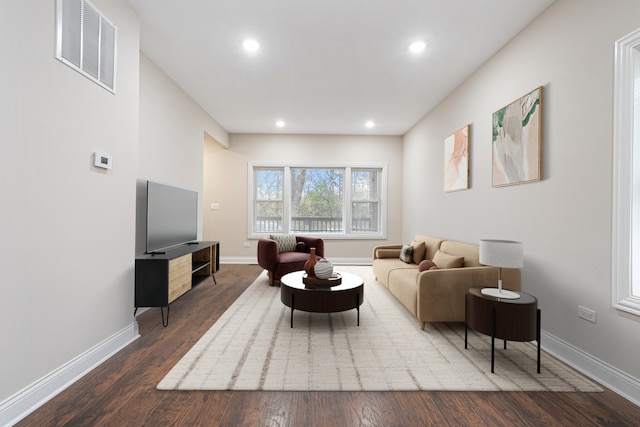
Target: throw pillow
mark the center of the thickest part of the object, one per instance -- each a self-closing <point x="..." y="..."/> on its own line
<point x="406" y="253"/>
<point x="426" y="264"/>
<point x="419" y="249"/>
<point x="286" y="242"/>
<point x="444" y="260"/>
<point x="301" y="247"/>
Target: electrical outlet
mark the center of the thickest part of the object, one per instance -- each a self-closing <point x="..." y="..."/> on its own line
<point x="246" y="245"/>
<point x="587" y="314"/>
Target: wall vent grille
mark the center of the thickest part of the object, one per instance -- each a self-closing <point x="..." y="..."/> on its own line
<point x="86" y="41"/>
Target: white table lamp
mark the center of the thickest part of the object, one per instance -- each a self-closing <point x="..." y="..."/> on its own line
<point x="501" y="254"/>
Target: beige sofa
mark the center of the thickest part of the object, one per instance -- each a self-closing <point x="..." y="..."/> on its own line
<point x="437" y="294"/>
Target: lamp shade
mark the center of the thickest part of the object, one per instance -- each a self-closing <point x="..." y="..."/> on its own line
<point x="501" y="253"/>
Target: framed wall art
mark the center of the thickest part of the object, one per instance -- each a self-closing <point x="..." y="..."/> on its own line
<point x="517" y="141"/>
<point x="456" y="161"/>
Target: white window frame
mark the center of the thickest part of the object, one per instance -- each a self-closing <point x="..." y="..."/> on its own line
<point x="625" y="127"/>
<point x="382" y="232"/>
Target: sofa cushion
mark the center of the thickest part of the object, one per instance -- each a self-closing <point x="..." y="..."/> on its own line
<point x="426" y="264"/>
<point x="444" y="260"/>
<point x="432" y="244"/>
<point x="387" y="253"/>
<point x="406" y="253"/>
<point x="382" y="267"/>
<point x="402" y="284"/>
<point x="286" y="242"/>
<point x="419" y="249"/>
<point x="470" y="252"/>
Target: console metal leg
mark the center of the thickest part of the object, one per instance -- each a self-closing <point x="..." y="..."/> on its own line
<point x="214" y="279"/>
<point x="165" y="323"/>
<point x="466" y="327"/>
<point x="358" y="306"/>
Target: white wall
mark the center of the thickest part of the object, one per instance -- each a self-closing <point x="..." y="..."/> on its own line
<point x="564" y="220"/>
<point x="226" y="184"/>
<point x="67" y="251"/>
<point x="173" y="129"/>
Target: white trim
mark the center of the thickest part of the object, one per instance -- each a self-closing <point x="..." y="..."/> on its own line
<point x="21" y="404"/>
<point x="620" y="382"/>
<point x="622" y="190"/>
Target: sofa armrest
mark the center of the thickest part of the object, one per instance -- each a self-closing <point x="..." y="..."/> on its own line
<point x="387" y="251"/>
<point x="442" y="292"/>
<point x="312" y="242"/>
<point x="267" y="253"/>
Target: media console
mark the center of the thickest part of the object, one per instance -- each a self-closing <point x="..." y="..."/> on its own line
<point x="162" y="277"/>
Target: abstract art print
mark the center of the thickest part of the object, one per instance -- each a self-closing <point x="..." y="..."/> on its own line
<point x="456" y="161"/>
<point x="517" y="141"/>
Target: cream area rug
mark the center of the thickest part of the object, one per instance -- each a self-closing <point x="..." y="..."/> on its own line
<point x="253" y="347"/>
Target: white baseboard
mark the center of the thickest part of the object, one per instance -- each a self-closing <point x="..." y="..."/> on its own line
<point x="32" y="397"/>
<point x="334" y="261"/>
<point x="607" y="375"/>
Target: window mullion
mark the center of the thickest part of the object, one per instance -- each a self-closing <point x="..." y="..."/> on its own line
<point x="348" y="201"/>
<point x="286" y="200"/>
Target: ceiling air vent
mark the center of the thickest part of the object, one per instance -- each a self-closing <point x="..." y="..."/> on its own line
<point x="86" y="41"/>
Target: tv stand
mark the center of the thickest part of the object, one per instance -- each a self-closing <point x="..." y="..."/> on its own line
<point x="163" y="277"/>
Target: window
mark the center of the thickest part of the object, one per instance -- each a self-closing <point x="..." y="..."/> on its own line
<point x="268" y="201"/>
<point x="626" y="176"/>
<point x="365" y="202"/>
<point x="332" y="201"/>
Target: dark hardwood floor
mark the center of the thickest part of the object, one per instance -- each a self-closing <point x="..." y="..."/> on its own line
<point x="121" y="391"/>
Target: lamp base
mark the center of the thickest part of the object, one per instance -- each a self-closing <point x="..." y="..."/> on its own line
<point x="499" y="293"/>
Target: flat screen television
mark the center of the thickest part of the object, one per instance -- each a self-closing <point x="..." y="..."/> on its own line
<point x="172" y="216"/>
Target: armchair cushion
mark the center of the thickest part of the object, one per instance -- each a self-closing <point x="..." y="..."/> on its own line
<point x="286" y="242"/>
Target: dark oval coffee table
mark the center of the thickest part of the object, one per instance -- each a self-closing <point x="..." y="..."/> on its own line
<point x="321" y="299"/>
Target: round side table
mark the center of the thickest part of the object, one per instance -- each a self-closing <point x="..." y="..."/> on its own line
<point x="507" y="319"/>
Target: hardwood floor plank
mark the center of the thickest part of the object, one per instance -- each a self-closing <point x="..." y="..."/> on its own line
<point x="121" y="391"/>
<point x="420" y="409"/>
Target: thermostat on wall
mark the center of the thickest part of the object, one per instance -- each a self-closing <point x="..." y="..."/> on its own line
<point x="102" y="160"/>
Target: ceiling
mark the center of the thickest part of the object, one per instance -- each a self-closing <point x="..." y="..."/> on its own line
<point x="325" y="66"/>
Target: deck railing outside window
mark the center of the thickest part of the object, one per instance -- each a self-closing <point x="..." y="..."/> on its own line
<point x="267" y="224"/>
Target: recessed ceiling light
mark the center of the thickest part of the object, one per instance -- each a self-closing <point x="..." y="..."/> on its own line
<point x="370" y="124"/>
<point x="280" y="123"/>
<point x="250" y="45"/>
<point x="417" y="47"/>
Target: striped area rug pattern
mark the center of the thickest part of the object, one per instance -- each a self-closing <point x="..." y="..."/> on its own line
<point x="253" y="347"/>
